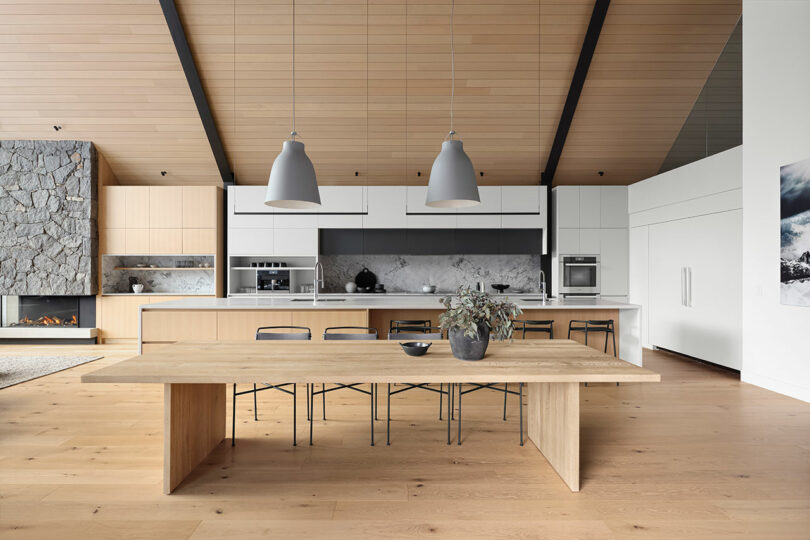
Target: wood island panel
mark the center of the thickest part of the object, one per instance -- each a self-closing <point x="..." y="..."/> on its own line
<point x="243" y="324"/>
<point x="157" y="325"/>
<point x="319" y="319"/>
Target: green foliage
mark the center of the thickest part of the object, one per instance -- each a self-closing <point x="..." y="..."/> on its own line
<point x="472" y="308"/>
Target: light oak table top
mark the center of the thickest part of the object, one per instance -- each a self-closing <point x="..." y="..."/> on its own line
<point x="548" y="361"/>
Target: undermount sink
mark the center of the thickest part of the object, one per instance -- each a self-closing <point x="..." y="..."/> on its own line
<point x="535" y="299"/>
<point x="319" y="300"/>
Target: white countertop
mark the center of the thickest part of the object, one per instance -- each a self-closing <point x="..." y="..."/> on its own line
<point x="372" y="301"/>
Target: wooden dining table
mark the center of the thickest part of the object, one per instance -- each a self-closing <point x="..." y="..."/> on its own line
<point x="195" y="375"/>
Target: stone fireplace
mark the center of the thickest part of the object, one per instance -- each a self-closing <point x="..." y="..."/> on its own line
<point x="48" y="238"/>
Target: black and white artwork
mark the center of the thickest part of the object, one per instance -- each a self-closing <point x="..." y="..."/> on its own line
<point x="795" y="232"/>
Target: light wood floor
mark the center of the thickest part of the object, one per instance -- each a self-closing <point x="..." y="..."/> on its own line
<point x="698" y="456"/>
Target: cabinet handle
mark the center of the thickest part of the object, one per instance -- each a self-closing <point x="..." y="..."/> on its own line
<point x="689" y="286"/>
<point x="683" y="285"/>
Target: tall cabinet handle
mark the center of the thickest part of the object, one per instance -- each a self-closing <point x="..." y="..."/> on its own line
<point x="689" y="286"/>
<point x="683" y="285"/>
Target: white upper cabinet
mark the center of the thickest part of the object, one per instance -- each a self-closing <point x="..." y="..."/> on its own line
<point x="386" y="207"/>
<point x="521" y="199"/>
<point x="342" y="199"/>
<point x="568" y="241"/>
<point x="566" y="200"/>
<point x="614" y="207"/>
<point x="250" y="199"/>
<point x="590" y="206"/>
<point x="614" y="259"/>
<point x="590" y="242"/>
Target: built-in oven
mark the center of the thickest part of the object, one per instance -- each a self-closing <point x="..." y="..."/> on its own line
<point x="579" y="275"/>
<point x="272" y="281"/>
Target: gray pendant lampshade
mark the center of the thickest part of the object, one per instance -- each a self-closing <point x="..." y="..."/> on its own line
<point x="292" y="181"/>
<point x="452" y="178"/>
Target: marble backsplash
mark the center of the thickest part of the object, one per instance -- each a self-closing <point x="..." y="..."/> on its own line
<point x="407" y="273"/>
<point x="199" y="281"/>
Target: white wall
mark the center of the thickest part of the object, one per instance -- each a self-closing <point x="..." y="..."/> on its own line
<point x="776" y="116"/>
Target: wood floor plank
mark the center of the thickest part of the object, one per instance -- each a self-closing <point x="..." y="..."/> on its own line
<point x="699" y="455"/>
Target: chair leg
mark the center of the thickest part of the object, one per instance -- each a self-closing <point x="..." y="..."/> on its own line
<point x="308" y="411"/>
<point x="606" y="340"/>
<point x="452" y="401"/>
<point x="586" y="334"/>
<point x="255" y="404"/>
<point x="295" y="415"/>
<point x="448" y="412"/>
<point x="311" y="408"/>
<point x="551" y="332"/>
<point x="441" y="397"/>
<point x="388" y="423"/>
<point x="521" y="414"/>
<point x="458" y="441"/>
<point x="324" y="399"/>
<point x="371" y="395"/>
<point x="505" y="391"/>
<point x="376" y="404"/>
<point x="233" y="420"/>
<point x="613" y="336"/>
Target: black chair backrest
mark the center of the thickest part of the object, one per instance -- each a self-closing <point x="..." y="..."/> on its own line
<point x="303" y="333"/>
<point x="536" y="323"/>
<point x="430" y="333"/>
<point x="409" y="326"/>
<point x="331" y="335"/>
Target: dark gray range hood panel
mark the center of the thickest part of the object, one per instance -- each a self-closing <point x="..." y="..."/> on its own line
<point x="430" y="241"/>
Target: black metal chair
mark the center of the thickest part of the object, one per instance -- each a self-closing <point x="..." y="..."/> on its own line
<point x="303" y="334"/>
<point x="593" y="326"/>
<point x="529" y="326"/>
<point x="331" y="334"/>
<point x="596" y="326"/>
<point x="427" y="333"/>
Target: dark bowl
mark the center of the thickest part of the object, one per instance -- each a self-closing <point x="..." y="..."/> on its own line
<point x="415" y="348"/>
<point x="499" y="287"/>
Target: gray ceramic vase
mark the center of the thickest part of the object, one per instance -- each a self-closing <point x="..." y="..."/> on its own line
<point x="467" y="348"/>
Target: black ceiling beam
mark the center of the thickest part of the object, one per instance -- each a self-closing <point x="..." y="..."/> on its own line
<point x="577" y="83"/>
<point x="195" y="84"/>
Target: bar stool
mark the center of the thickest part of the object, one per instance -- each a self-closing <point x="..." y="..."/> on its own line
<point x="604" y="326"/>
<point x="428" y="334"/>
<point x="330" y="334"/>
<point x="593" y="326"/>
<point x="303" y="333"/>
<point x="396" y="327"/>
<point x="546" y="327"/>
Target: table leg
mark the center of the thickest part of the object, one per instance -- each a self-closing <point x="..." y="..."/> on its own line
<point x="553" y="425"/>
<point x="193" y="425"/>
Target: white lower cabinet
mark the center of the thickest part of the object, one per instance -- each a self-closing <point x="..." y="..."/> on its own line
<point x="695" y="287"/>
<point x="639" y="277"/>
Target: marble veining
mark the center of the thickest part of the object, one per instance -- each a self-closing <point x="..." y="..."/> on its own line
<point x="407" y="273"/>
<point x="157" y="281"/>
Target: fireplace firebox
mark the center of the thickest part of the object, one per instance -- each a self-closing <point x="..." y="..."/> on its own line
<point x="48" y="312"/>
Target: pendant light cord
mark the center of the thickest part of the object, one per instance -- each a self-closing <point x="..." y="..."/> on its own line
<point x="293" y="134"/>
<point x="452" y="68"/>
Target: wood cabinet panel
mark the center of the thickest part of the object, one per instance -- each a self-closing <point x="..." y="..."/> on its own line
<point x="562" y="318"/>
<point x="165" y="241"/>
<point x="165" y="207"/>
<point x="136" y="241"/>
<point x="242" y="325"/>
<point x="179" y="325"/>
<point x="113" y="241"/>
<point x="112" y="207"/>
<point x="318" y="320"/>
<point x="119" y="316"/>
<point x="200" y="241"/>
<point x="136" y="207"/>
<point x="200" y="207"/>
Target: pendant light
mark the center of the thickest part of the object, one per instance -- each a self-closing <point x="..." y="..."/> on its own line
<point x="452" y="178"/>
<point x="292" y="182"/>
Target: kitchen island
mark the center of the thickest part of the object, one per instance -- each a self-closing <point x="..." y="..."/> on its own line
<point x="225" y="319"/>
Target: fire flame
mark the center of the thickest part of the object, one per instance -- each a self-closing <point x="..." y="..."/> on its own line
<point x="47" y="320"/>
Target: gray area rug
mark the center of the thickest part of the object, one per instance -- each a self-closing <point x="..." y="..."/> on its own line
<point x="17" y="369"/>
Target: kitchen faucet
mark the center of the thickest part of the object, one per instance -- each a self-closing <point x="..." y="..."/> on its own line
<point x="543" y="286"/>
<point x="318" y="266"/>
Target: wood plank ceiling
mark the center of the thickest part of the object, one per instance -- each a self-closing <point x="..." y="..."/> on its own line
<point x="373" y="83"/>
<point x="650" y="64"/>
<point x="106" y="71"/>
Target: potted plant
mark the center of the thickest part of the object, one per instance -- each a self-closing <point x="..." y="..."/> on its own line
<point x="473" y="319"/>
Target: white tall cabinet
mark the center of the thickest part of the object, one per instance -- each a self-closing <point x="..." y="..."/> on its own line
<point x="592" y="220"/>
<point x="686" y="258"/>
